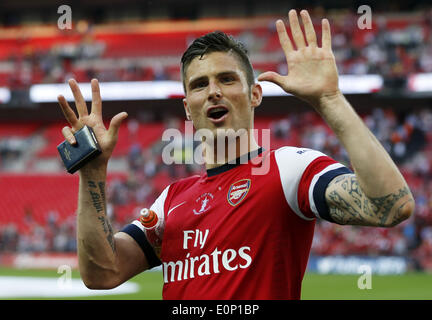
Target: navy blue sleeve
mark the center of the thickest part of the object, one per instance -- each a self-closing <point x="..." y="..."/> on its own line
<point x="320" y="189"/>
<point x="138" y="235"/>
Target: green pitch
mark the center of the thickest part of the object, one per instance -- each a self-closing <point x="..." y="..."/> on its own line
<point x="416" y="286"/>
<point x="329" y="287"/>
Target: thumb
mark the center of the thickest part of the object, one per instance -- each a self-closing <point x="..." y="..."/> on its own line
<point x="276" y="78"/>
<point x="115" y="124"/>
<point x="272" y="77"/>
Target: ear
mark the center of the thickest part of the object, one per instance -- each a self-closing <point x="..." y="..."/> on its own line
<point x="186" y="109"/>
<point x="256" y="95"/>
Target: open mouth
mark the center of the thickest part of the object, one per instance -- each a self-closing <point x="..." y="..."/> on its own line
<point x="217" y="113"/>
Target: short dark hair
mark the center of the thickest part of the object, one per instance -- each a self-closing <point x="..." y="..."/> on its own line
<point x="217" y="41"/>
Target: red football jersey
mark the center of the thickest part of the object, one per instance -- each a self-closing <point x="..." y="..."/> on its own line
<point x="244" y="231"/>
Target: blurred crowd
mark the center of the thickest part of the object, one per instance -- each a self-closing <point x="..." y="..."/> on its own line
<point x="53" y="236"/>
<point x="406" y="136"/>
<point x="389" y="51"/>
<point x="393" y="51"/>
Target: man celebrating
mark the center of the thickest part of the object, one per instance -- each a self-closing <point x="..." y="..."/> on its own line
<point x="230" y="233"/>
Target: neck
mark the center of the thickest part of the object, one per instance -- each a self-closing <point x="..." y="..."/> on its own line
<point x="227" y="149"/>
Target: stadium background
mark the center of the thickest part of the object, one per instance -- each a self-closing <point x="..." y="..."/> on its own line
<point x="135" y="47"/>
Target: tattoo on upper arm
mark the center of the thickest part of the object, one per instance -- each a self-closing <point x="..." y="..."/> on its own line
<point x="97" y="193"/>
<point x="349" y="205"/>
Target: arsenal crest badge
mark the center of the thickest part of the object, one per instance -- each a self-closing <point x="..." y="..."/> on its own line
<point x="238" y="191"/>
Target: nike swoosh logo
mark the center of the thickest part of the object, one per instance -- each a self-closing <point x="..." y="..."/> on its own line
<point x="169" y="211"/>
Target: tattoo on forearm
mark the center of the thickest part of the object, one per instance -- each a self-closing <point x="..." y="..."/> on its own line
<point x="97" y="199"/>
<point x="97" y="193"/>
<point x="352" y="206"/>
<point x="91" y="184"/>
<point x="108" y="231"/>
<point x="102" y="192"/>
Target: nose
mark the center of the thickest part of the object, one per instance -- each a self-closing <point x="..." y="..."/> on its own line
<point x="215" y="92"/>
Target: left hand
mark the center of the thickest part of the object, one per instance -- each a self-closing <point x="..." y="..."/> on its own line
<point x="312" y="72"/>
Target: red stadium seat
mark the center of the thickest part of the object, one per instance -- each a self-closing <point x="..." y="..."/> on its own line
<point x="145" y="136"/>
<point x="21" y="130"/>
<point x="27" y="199"/>
<point x="53" y="137"/>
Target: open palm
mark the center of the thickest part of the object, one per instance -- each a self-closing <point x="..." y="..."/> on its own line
<point x="107" y="138"/>
<point x="312" y="72"/>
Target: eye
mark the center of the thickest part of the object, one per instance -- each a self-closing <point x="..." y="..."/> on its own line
<point x="228" y="78"/>
<point x="199" y="84"/>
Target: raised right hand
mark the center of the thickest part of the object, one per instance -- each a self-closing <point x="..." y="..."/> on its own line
<point x="107" y="138"/>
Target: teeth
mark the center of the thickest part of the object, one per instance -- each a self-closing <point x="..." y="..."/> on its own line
<point x="217" y="109"/>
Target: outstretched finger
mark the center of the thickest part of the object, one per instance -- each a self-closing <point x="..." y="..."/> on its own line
<point x="284" y="39"/>
<point x="79" y="99"/>
<point x="296" y="31"/>
<point x="96" y="107"/>
<point x="68" y="112"/>
<point x="309" y="29"/>
<point x="115" y="124"/>
<point x="326" y="34"/>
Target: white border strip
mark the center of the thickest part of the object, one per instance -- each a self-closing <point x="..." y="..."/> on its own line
<point x="151" y="90"/>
